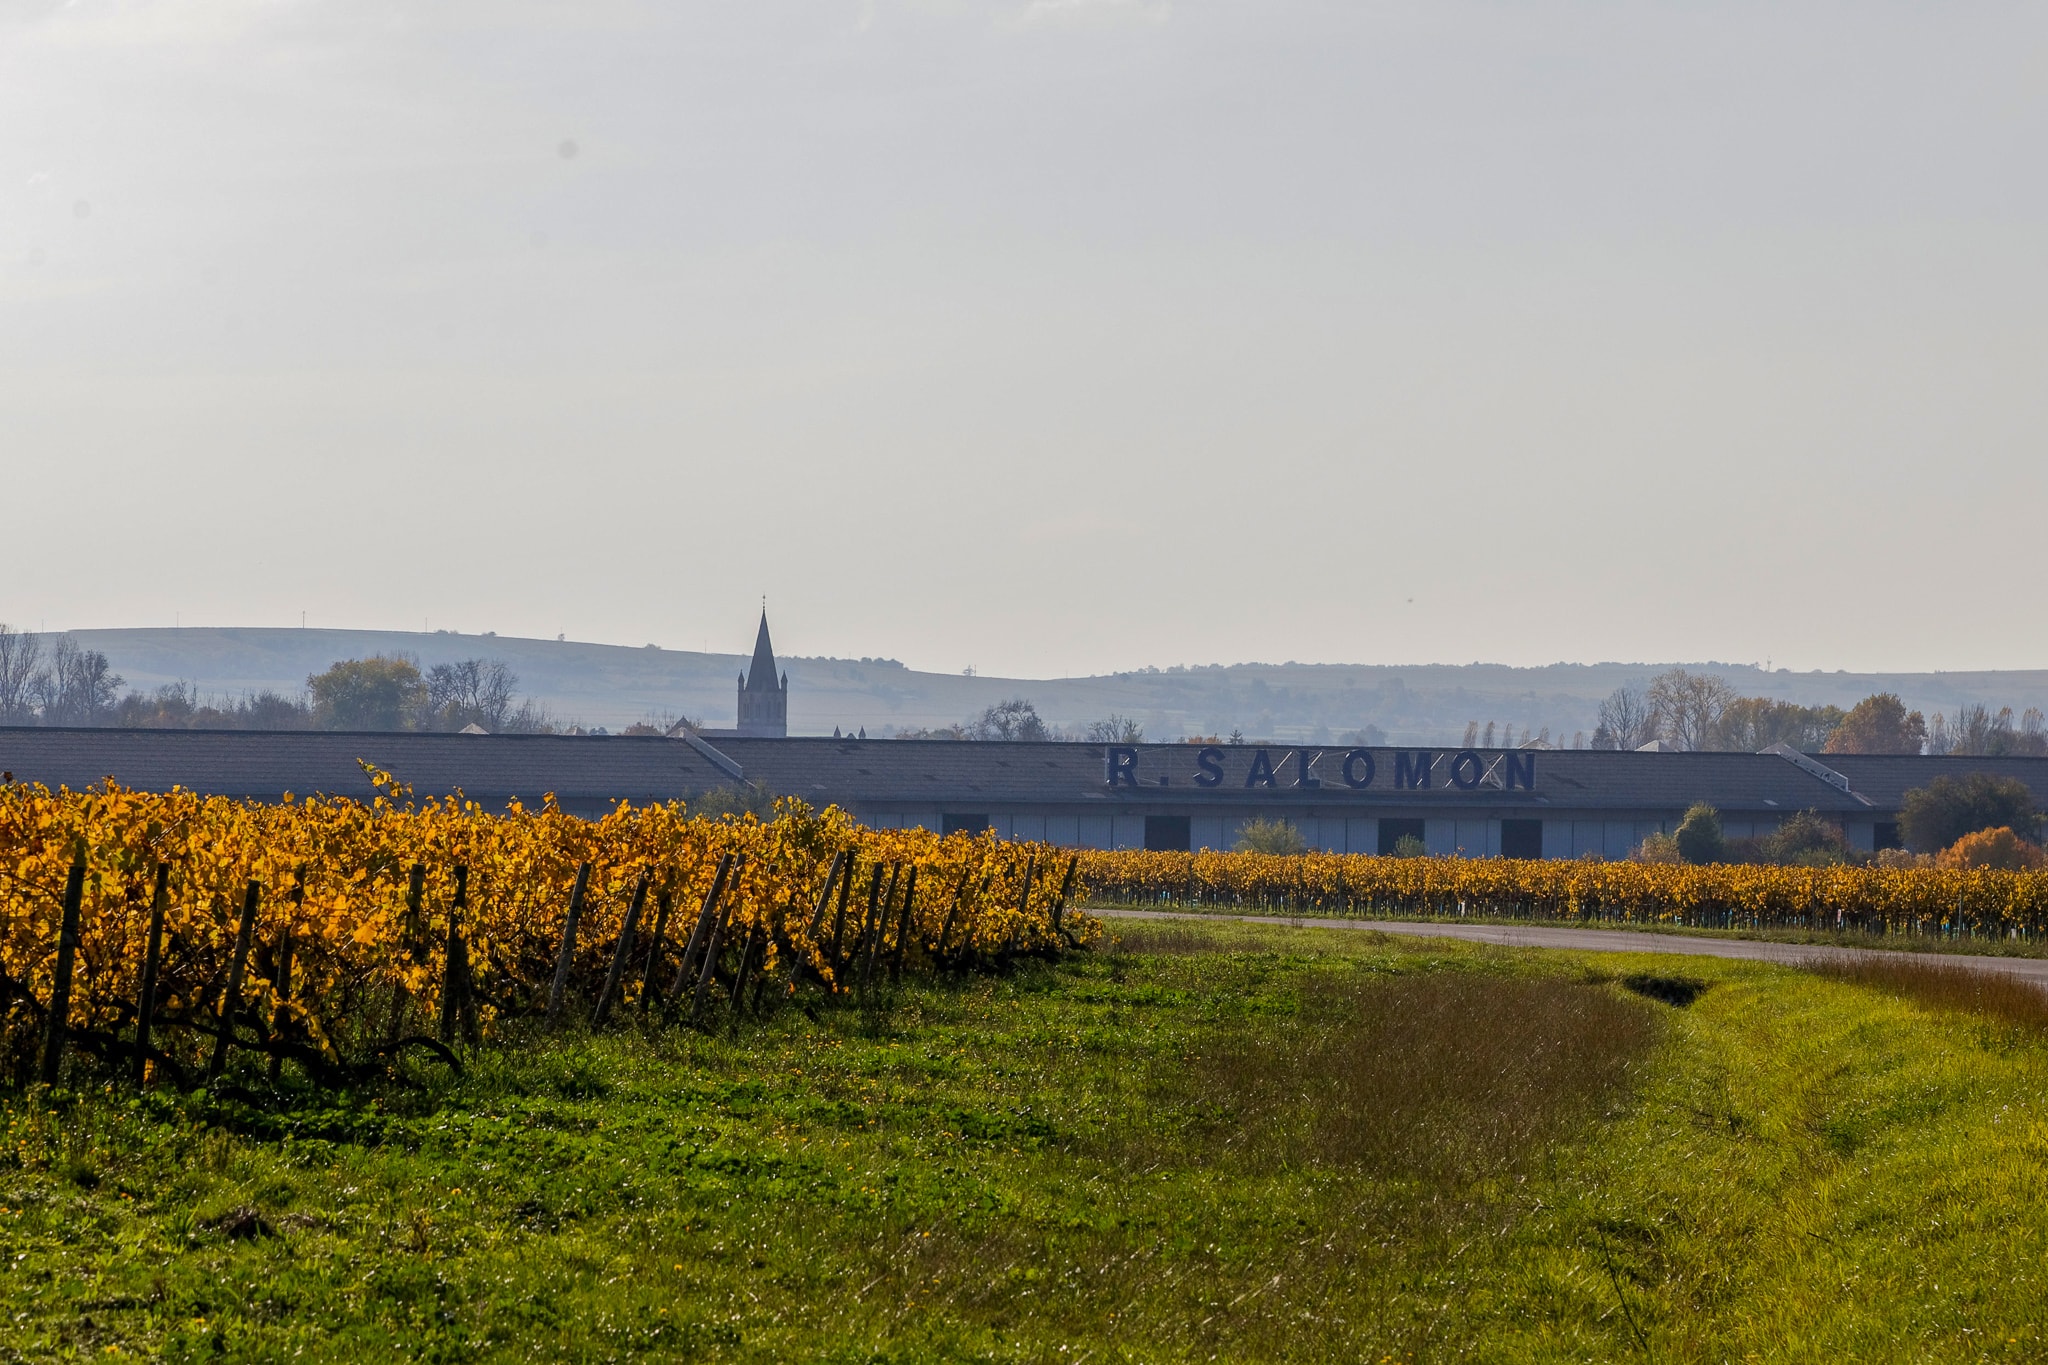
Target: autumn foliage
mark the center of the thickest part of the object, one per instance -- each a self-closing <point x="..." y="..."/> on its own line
<point x="351" y="943"/>
<point x="1992" y="848"/>
<point x="1874" y="898"/>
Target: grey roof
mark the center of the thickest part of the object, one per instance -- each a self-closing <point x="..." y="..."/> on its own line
<point x="587" y="773"/>
<point x="1886" y="778"/>
<point x="925" y="773"/>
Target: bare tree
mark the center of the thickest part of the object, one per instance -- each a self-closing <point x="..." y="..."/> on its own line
<point x="79" y="687"/>
<point x="1625" y="720"/>
<point x="21" y="660"/>
<point x="1687" y="707"/>
<point x="473" y="692"/>
<point x="1116" y="730"/>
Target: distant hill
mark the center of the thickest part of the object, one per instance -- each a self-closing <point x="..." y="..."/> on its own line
<point x="615" y="685"/>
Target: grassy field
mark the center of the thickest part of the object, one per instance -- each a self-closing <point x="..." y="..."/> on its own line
<point x="1218" y="1142"/>
<point x="1964" y="945"/>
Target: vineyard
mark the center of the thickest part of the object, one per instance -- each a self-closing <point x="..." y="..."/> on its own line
<point x="169" y="936"/>
<point x="1869" y="899"/>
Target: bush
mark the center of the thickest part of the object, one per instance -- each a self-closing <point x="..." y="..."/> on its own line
<point x="1408" y="846"/>
<point x="1270" y="836"/>
<point x="1699" y="835"/>
<point x="1658" y="848"/>
<point x="1992" y="848"/>
<point x="1933" y="817"/>
<point x="1806" y="839"/>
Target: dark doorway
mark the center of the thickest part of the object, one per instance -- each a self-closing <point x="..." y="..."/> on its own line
<point x="1521" y="838"/>
<point x="1393" y="832"/>
<point x="962" y="824"/>
<point x="1885" y="834"/>
<point x="1167" y="834"/>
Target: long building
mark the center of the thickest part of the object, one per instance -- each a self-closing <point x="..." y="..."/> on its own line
<point x="1475" y="803"/>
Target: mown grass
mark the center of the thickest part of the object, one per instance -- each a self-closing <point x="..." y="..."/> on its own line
<point x="1210" y="1142"/>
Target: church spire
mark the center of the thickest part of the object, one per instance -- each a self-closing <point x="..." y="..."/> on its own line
<point x="764" y="696"/>
<point x="761" y="676"/>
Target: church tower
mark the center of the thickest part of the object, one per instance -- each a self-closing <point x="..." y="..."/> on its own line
<point x="764" y="696"/>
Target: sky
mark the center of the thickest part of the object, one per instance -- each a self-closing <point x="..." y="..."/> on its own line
<point x="1042" y="337"/>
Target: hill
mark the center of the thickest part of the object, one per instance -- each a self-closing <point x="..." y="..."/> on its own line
<point x="615" y="685"/>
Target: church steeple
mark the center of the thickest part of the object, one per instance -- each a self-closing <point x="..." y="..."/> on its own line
<point x="761" y="673"/>
<point x="763" y="695"/>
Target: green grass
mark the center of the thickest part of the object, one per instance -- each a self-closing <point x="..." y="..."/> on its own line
<point x="1233" y="1143"/>
<point x="1961" y="944"/>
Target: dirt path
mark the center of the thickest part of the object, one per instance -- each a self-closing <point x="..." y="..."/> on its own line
<point x="2032" y="969"/>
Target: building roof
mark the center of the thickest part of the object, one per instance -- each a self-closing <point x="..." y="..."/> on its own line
<point x="1886" y="778"/>
<point x="588" y="773"/>
<point x="907" y="773"/>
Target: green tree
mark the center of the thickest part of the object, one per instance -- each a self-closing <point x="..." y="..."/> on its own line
<point x="1752" y="724"/>
<point x="1879" y="724"/>
<point x="1013" y="719"/>
<point x="1934" y="816"/>
<point x="376" y="693"/>
<point x="1698" y="835"/>
<point x="1270" y="836"/>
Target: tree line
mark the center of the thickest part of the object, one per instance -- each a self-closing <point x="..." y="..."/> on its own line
<point x="1700" y="711"/>
<point x="53" y="681"/>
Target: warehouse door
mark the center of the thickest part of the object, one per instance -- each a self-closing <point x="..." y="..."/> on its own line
<point x="1167" y="834"/>
<point x="1521" y="838"/>
<point x="1393" y="832"/>
<point x="962" y="824"/>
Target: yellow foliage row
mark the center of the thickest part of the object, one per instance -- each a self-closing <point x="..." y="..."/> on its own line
<point x="336" y="879"/>
<point x="1878" y="899"/>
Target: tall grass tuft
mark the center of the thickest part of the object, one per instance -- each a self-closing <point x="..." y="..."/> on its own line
<point x="1998" y="996"/>
<point x="1439" y="1077"/>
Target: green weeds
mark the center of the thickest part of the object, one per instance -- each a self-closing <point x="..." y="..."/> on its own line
<point x="1214" y="1142"/>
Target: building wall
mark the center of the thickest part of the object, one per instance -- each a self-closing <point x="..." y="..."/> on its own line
<point x="1566" y="834"/>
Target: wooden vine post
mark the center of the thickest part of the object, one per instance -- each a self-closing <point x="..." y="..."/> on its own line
<point x="710" y="968"/>
<point x="560" y="986"/>
<point x="59" y="1023"/>
<point x="877" y="926"/>
<point x="621" y="953"/>
<point x="455" y="1006"/>
<point x="703" y="931"/>
<point x="903" y="922"/>
<point x="282" y="982"/>
<point x="152" y="963"/>
<point x="664" y="902"/>
<point x="231" y="998"/>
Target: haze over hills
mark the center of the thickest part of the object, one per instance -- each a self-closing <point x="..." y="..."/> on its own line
<point x="615" y="685"/>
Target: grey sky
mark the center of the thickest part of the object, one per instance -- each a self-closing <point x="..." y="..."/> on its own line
<point x="1045" y="337"/>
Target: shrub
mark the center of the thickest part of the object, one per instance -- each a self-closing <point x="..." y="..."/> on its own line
<point x="1933" y="817"/>
<point x="1699" y="835"/>
<point x="1270" y="836"/>
<point x="1992" y="848"/>
<point x="1806" y="839"/>
<point x="1408" y="846"/>
<point x="1658" y="848"/>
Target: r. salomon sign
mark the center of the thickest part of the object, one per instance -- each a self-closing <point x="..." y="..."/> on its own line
<point x="1254" y="768"/>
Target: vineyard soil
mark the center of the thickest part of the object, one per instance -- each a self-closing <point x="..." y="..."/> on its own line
<point x="1212" y="1141"/>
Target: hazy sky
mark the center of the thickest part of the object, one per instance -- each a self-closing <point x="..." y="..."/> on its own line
<point x="1046" y="337"/>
